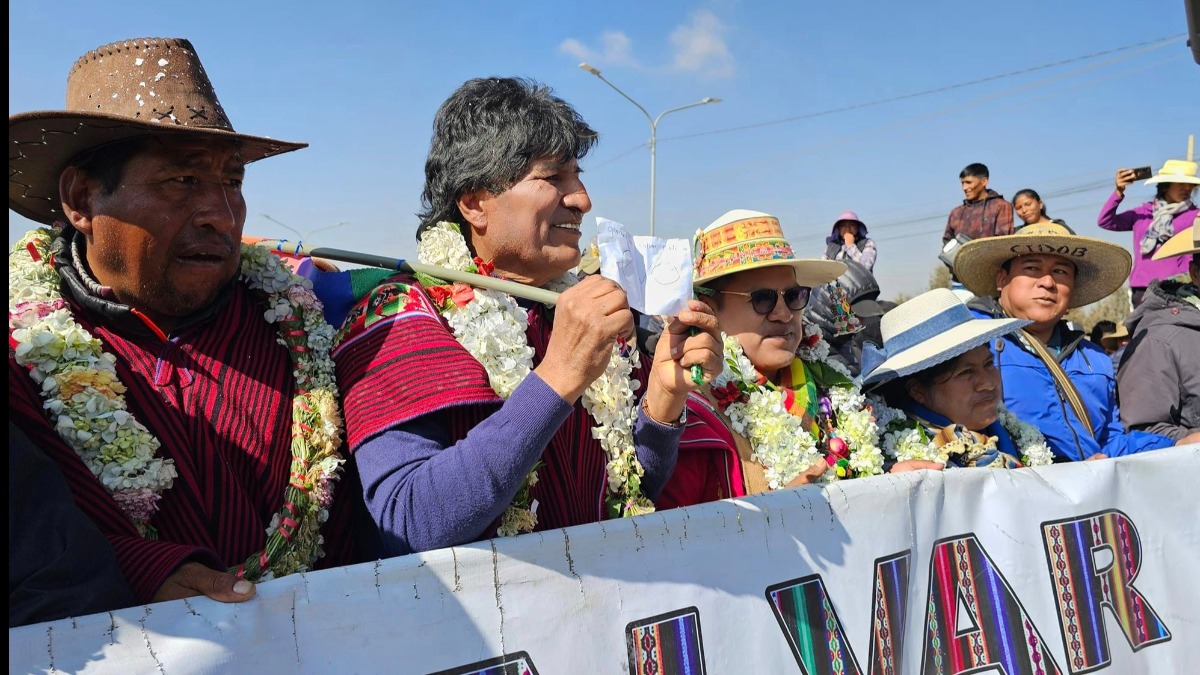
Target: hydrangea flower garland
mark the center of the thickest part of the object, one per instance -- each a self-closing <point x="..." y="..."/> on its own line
<point x="86" y="400"/>
<point x="491" y="326"/>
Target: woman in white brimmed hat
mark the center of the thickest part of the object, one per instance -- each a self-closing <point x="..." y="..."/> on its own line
<point x="936" y="367"/>
<point x="1172" y="210"/>
<point x="779" y="415"/>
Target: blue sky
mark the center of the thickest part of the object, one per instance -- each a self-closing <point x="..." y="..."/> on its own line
<point x="361" y="81"/>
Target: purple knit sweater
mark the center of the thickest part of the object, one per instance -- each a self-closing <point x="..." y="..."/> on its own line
<point x="425" y="493"/>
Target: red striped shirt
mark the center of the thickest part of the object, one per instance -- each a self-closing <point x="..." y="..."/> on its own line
<point x="397" y="360"/>
<point x="218" y="397"/>
<point x="708" y="467"/>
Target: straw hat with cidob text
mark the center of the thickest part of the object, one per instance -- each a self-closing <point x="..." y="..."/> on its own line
<point x="744" y="240"/>
<point x="932" y="328"/>
<point x="1185" y="242"/>
<point x="1177" y="170"/>
<point x="139" y="87"/>
<point x="1100" y="267"/>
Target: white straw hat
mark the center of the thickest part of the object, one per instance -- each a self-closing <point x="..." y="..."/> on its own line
<point x="929" y="329"/>
<point x="1177" y="170"/>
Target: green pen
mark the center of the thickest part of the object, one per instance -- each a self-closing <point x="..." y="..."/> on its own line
<point x="697" y="371"/>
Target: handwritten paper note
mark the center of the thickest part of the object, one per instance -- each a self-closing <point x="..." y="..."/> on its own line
<point x="655" y="273"/>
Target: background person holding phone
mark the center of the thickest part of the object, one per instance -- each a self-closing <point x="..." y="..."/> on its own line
<point x="1172" y="210"/>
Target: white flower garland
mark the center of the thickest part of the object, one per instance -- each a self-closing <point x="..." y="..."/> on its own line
<point x="86" y="400"/>
<point x="814" y="349"/>
<point x="857" y="425"/>
<point x="491" y="326"/>
<point x="909" y="442"/>
<point x="779" y="440"/>
<point x="1028" y="439"/>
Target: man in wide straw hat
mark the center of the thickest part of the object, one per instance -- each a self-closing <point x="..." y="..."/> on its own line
<point x="1159" y="380"/>
<point x="180" y="421"/>
<point x="1053" y="377"/>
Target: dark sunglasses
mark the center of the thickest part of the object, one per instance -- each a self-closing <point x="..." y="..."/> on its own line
<point x="763" y="300"/>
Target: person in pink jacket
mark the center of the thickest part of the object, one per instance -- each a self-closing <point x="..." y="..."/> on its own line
<point x="1172" y="210"/>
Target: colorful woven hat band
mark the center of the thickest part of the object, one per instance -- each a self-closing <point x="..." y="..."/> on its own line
<point x="741" y="243"/>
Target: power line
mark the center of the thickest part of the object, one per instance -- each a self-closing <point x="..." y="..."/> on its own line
<point x="1150" y="45"/>
<point x="759" y="161"/>
<point x="1160" y="42"/>
<point x="941" y="216"/>
<point x="610" y="160"/>
<point x="1089" y="186"/>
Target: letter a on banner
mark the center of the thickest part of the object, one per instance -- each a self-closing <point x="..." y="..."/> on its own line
<point x="814" y="632"/>
<point x="963" y="579"/>
<point x="1082" y="588"/>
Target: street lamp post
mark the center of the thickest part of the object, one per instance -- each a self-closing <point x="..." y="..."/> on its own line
<point x="653" y="126"/>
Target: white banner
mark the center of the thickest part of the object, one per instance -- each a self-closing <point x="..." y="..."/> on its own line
<point x="1066" y="569"/>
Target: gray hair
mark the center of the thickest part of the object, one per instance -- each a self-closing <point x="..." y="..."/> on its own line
<point x="488" y="134"/>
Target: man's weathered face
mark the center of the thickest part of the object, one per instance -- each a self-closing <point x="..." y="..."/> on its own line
<point x="974" y="187"/>
<point x="1037" y="287"/>
<point x="770" y="341"/>
<point x="532" y="229"/>
<point x="168" y="238"/>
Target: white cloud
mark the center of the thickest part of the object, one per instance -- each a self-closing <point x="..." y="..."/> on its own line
<point x="697" y="46"/>
<point x="618" y="48"/>
<point x="615" y="49"/>
<point x="700" y="46"/>
<point x="577" y="49"/>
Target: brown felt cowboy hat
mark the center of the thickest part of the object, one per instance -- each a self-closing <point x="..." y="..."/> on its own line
<point x="1100" y="267"/>
<point x="139" y="87"/>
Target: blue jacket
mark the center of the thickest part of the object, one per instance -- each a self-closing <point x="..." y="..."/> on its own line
<point x="1031" y="393"/>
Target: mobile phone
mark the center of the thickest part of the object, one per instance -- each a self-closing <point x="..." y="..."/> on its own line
<point x="1142" y="173"/>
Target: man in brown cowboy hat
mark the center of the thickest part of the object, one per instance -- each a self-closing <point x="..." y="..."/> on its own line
<point x="1159" y="380"/>
<point x="181" y="382"/>
<point x="1053" y="377"/>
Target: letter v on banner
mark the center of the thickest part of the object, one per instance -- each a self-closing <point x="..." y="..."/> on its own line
<point x="814" y="632"/>
<point x="1082" y="587"/>
<point x="961" y="574"/>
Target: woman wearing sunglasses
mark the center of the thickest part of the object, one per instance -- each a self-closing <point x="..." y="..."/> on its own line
<point x="774" y="418"/>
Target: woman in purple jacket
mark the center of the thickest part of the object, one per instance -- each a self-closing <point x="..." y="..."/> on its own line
<point x="1172" y="210"/>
